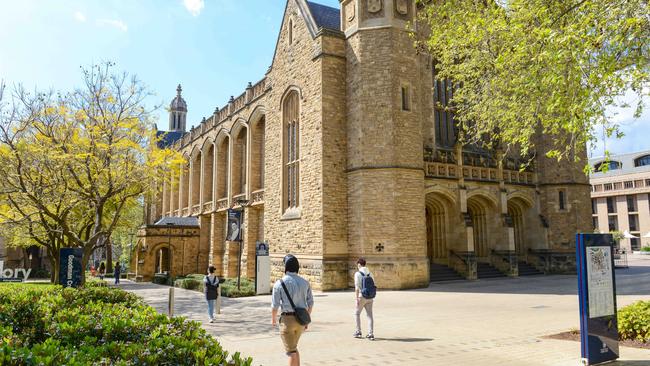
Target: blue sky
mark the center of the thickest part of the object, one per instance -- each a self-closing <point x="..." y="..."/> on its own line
<point x="212" y="47"/>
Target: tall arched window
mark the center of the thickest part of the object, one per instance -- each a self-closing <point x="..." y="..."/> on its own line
<point x="642" y="161"/>
<point x="291" y="150"/>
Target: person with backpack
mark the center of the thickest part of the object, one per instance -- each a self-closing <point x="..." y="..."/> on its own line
<point x="211" y="289"/>
<point x="292" y="295"/>
<point x="364" y="293"/>
<point x="117" y="271"/>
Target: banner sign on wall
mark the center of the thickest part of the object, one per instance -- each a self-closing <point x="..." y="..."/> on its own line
<point x="597" y="296"/>
<point x="13" y="275"/>
<point x="234" y="225"/>
<point x="71" y="267"/>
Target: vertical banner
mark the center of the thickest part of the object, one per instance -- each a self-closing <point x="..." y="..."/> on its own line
<point x="234" y="225"/>
<point x="71" y="268"/>
<point x="262" y="268"/>
<point x="597" y="297"/>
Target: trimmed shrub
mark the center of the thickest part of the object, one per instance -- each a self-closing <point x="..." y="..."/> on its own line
<point x="188" y="283"/>
<point x="634" y="322"/>
<point x="229" y="288"/>
<point x="645" y="249"/>
<point x="49" y="325"/>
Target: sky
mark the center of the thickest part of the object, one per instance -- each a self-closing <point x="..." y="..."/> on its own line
<point x="212" y="47"/>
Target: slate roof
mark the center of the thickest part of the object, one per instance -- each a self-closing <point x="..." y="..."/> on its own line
<point x="167" y="138"/>
<point x="325" y="16"/>
<point x="627" y="162"/>
<point x="178" y="221"/>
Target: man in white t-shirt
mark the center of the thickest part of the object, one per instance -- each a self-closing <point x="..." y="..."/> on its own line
<point x="362" y="302"/>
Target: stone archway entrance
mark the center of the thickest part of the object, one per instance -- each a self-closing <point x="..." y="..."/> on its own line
<point x="482" y="212"/>
<point x="437" y="210"/>
<point x="162" y="260"/>
<point x="518" y="210"/>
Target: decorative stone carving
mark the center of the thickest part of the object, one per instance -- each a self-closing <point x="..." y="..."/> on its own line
<point x="374" y="6"/>
<point x="402" y="6"/>
<point x="350" y="11"/>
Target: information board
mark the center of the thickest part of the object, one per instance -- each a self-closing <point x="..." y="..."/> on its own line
<point x="597" y="297"/>
<point x="262" y="268"/>
<point x="71" y="267"/>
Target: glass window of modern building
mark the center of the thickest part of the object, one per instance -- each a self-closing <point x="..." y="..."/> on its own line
<point x="631" y="203"/>
<point x="612" y="223"/>
<point x="611" y="205"/>
<point x="642" y="161"/>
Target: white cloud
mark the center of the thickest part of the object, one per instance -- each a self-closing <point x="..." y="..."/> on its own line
<point x="194" y="6"/>
<point x="79" y="16"/>
<point x="113" y="23"/>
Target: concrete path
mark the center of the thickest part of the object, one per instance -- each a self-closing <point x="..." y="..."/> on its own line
<point x="486" y="322"/>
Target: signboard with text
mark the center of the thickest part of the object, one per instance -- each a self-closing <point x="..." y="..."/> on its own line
<point x="13" y="275"/>
<point x="71" y="268"/>
<point x="262" y="268"/>
<point x="597" y="297"/>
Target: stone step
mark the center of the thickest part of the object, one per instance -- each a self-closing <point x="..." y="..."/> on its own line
<point x="440" y="273"/>
<point x="484" y="270"/>
<point x="526" y="269"/>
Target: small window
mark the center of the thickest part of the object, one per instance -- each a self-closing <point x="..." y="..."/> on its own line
<point x="634" y="222"/>
<point x="642" y="161"/>
<point x="611" y="205"/>
<point x="635" y="244"/>
<point x="608" y="186"/>
<point x="406" y="99"/>
<point x="608" y="165"/>
<point x="631" y="204"/>
<point x="598" y="188"/>
<point x="647" y="182"/>
<point x="594" y="206"/>
<point x="562" y="200"/>
<point x="629" y="184"/>
<point x="612" y="223"/>
<point x="618" y="185"/>
<point x="594" y="221"/>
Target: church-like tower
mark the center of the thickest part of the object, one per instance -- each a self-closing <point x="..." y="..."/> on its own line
<point x="178" y="112"/>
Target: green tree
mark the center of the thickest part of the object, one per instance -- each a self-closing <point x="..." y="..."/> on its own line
<point x="522" y="68"/>
<point x="73" y="163"/>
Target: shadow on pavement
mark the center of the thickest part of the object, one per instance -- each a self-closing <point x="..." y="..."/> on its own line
<point x="405" y="340"/>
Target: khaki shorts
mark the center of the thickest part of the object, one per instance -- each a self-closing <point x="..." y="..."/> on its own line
<point x="290" y="332"/>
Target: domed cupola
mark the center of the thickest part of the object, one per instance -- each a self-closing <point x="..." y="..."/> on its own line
<point x="177" y="112"/>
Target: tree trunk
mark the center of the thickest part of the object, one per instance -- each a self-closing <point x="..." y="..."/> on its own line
<point x="109" y="257"/>
<point x="84" y="263"/>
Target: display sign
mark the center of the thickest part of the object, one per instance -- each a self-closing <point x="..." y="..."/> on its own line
<point x="234" y="225"/>
<point x="262" y="268"/>
<point x="70" y="270"/>
<point x="597" y="296"/>
<point x="13" y="275"/>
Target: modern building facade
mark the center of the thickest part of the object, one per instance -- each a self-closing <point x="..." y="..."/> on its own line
<point x="620" y="197"/>
<point x="346" y="149"/>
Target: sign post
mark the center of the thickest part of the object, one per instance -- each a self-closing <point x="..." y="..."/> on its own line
<point x="597" y="297"/>
<point x="71" y="268"/>
<point x="262" y="268"/>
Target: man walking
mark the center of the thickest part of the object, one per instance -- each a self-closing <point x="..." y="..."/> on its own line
<point x="291" y="288"/>
<point x="117" y="273"/>
<point x="364" y="293"/>
<point x="211" y="286"/>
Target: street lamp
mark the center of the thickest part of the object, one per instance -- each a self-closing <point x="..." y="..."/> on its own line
<point x="243" y="203"/>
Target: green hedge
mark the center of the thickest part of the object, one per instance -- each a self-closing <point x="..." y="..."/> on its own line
<point x="634" y="322"/>
<point x="228" y="288"/>
<point x="645" y="249"/>
<point x="49" y="325"/>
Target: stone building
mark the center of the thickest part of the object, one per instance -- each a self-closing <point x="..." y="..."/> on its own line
<point x="342" y="150"/>
<point x="620" y="198"/>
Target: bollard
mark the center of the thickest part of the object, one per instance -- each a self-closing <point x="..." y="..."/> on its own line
<point x="219" y="300"/>
<point x="170" y="305"/>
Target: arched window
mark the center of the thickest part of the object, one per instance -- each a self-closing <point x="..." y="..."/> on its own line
<point x="642" y="161"/>
<point x="291" y="150"/>
<point x="611" y="165"/>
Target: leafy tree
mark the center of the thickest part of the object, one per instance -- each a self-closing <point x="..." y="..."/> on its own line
<point x="526" y="68"/>
<point x="72" y="164"/>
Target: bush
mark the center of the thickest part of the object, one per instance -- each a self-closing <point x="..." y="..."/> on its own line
<point x="645" y="249"/>
<point x="40" y="273"/>
<point x="50" y="325"/>
<point x="229" y="288"/>
<point x="161" y="279"/>
<point x="188" y="283"/>
<point x="634" y="322"/>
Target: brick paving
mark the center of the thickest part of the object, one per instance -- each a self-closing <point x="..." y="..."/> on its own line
<point x="486" y="322"/>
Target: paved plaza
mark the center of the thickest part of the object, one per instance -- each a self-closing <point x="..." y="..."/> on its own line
<point x="485" y="322"/>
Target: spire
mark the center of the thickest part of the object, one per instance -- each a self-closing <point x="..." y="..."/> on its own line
<point x="177" y="112"/>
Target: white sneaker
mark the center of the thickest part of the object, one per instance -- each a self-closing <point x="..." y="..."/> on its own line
<point x="212" y="320"/>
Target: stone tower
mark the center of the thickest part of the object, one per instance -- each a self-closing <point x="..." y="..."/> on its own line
<point x="178" y="112"/>
<point x="384" y="140"/>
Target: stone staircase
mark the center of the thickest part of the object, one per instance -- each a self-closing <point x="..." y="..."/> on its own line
<point x="526" y="269"/>
<point x="441" y="273"/>
<point x="484" y="270"/>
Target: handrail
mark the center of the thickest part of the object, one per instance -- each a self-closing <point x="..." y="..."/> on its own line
<point x="453" y="253"/>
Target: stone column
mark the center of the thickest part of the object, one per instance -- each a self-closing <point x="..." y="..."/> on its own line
<point x="217" y="242"/>
<point x="250" y="238"/>
<point x="204" y="242"/>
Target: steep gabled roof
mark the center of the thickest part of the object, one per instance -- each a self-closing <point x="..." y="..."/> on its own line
<point x="325" y="16"/>
<point x="167" y="138"/>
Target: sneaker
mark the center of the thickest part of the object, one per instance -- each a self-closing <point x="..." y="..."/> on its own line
<point x="357" y="334"/>
<point x="370" y="337"/>
<point x="211" y="320"/>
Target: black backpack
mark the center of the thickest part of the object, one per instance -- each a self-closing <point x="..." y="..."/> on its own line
<point x="368" y="288"/>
